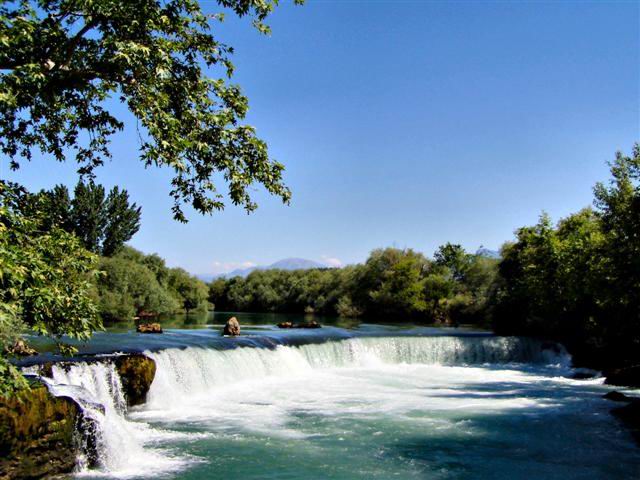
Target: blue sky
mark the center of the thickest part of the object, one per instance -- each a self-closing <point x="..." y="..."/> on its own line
<point x="405" y="123"/>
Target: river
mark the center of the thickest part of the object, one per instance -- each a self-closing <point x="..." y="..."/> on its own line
<point x="348" y="401"/>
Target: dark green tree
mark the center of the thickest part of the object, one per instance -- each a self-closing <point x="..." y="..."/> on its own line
<point x="191" y="292"/>
<point x="61" y="60"/>
<point x="618" y="208"/>
<point x="122" y="221"/>
<point x="453" y="257"/>
<point x="103" y="224"/>
<point x="88" y="214"/>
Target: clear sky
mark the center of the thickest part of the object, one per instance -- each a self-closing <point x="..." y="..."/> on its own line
<point x="405" y="123"/>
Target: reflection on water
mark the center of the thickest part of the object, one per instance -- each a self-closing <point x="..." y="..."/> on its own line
<point x="213" y="318"/>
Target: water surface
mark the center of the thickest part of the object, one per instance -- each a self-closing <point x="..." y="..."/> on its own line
<point x="366" y="402"/>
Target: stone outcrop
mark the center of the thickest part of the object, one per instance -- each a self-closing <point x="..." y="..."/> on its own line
<point x="38" y="434"/>
<point x="309" y="324"/>
<point x="136" y="372"/>
<point x="232" y="327"/>
<point x="624" y="377"/>
<point x="41" y="435"/>
<point x="21" y="349"/>
<point x="149" y="328"/>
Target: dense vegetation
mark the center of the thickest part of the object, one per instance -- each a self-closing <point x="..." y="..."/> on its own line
<point x="134" y="284"/>
<point x="46" y="278"/>
<point x="393" y="284"/>
<point x="52" y="284"/>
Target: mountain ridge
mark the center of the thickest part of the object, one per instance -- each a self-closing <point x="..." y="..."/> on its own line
<point x="292" y="263"/>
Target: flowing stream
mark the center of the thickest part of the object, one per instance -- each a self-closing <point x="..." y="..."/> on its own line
<point x="429" y="407"/>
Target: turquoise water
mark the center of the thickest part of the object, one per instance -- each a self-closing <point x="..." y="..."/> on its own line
<point x="366" y="402"/>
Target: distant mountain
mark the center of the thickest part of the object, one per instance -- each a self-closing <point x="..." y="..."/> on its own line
<point x="295" y="264"/>
<point x="239" y="272"/>
<point x="485" y="252"/>
<point x="285" y="264"/>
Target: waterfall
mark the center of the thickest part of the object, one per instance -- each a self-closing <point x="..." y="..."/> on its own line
<point x="127" y="446"/>
<point x="121" y="445"/>
<point x="195" y="371"/>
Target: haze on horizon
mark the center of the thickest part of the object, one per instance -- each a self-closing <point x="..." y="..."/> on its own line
<point x="407" y="124"/>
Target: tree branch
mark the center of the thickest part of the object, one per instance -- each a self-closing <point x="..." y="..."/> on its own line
<point x="75" y="40"/>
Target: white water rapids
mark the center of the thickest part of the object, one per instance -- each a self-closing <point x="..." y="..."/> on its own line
<point x="201" y="393"/>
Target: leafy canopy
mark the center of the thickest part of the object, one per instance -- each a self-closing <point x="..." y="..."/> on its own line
<point x="60" y="60"/>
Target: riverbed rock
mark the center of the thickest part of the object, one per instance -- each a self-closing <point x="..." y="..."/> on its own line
<point x="149" y="328"/>
<point x="136" y="372"/>
<point x="309" y="324"/>
<point x="232" y="327"/>
<point x="21" y="349"/>
<point x="624" y="377"/>
<point x="37" y="434"/>
<point x="616" y="396"/>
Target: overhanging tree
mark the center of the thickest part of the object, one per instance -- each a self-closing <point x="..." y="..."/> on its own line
<point x="61" y="60"/>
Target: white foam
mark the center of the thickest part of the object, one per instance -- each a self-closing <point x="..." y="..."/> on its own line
<point x="265" y="391"/>
<point x="261" y="390"/>
<point x="124" y="446"/>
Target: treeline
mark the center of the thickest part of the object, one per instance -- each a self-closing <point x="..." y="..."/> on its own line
<point x="392" y="285"/>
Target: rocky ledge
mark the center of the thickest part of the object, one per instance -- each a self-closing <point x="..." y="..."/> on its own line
<point x="41" y="435"/>
<point x="136" y="372"/>
<point x="38" y="434"/>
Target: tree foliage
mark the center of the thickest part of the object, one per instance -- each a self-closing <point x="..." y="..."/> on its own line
<point x="45" y="280"/>
<point x="134" y="284"/>
<point x="62" y="60"/>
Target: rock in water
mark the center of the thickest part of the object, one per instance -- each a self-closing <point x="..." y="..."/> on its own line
<point x="630" y="416"/>
<point x="232" y="327"/>
<point x="136" y="372"/>
<point x="149" y="328"/>
<point x="309" y="324"/>
<point x="21" y="349"/>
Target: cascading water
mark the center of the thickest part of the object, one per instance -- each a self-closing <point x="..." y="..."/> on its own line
<point x="121" y="445"/>
<point x="183" y="373"/>
<point x="264" y="390"/>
